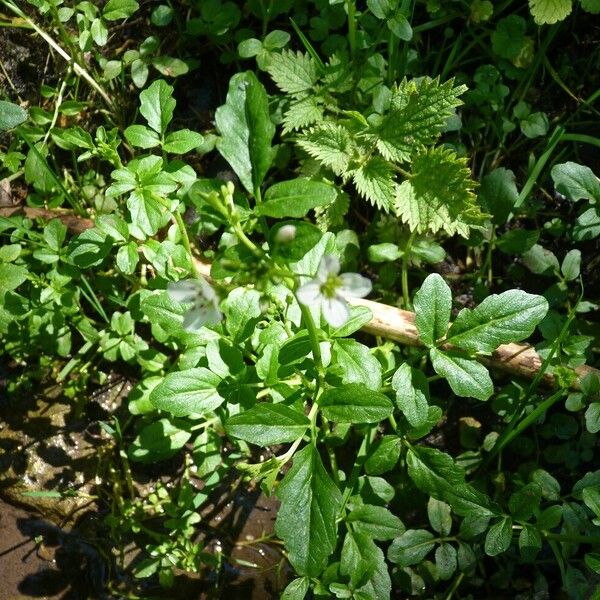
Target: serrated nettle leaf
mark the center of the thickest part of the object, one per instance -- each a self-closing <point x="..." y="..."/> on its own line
<point x="376" y="521"/>
<point x="432" y="304"/>
<point x="411" y="547"/>
<point x="501" y="318"/>
<point x="466" y="377"/>
<point x="375" y="181"/>
<point x="331" y="144"/>
<point x="246" y="130"/>
<point x="499" y="537"/>
<point x="182" y="141"/>
<point x="188" y="392"/>
<point x="268" y="424"/>
<point x="439" y="195"/>
<point x="357" y="363"/>
<point x="355" y="403"/>
<point x="306" y="520"/>
<point x="157" y="105"/>
<point x="576" y="182"/>
<point x="412" y="392"/>
<point x="418" y="112"/>
<point x="295" y="198"/>
<point x="293" y="73"/>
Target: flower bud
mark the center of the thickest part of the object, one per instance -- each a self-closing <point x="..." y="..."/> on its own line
<point x="286" y="234"/>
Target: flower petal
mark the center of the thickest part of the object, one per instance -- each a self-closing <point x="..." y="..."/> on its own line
<point x="309" y="293"/>
<point x="335" y="311"/>
<point x="329" y="265"/>
<point x="208" y="291"/>
<point x="195" y="319"/>
<point x="186" y="290"/>
<point x="354" y="285"/>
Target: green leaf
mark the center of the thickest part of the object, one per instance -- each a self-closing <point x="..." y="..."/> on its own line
<point x="411" y="547"/>
<point x="295" y="198"/>
<point x="374" y="181"/>
<point x="158" y="441"/>
<point x="306" y="520"/>
<point x="161" y="310"/>
<point x="364" y="563"/>
<point x="445" y="560"/>
<point x="182" y="141"/>
<point x="466" y="377"/>
<point x="440" y="516"/>
<point x="540" y="261"/>
<point x="331" y="144"/>
<point x="591" y="6"/>
<point x="11" y="115"/>
<point x="576" y="182"/>
<point x="376" y="521"/>
<point x="498" y="194"/>
<point x="524" y="502"/>
<point x="357" y="363"/>
<point x="535" y="125"/>
<point x="157" y="105"/>
<point x="386" y="252"/>
<point x="11" y="276"/>
<point x="293" y="73"/>
<point x="355" y="403"/>
<point x="242" y="309"/>
<point x="499" y="537"/>
<point x="142" y="136"/>
<point x="432" y="304"/>
<point x="296" y="589"/>
<point x="411" y="394"/>
<point x="246" y="130"/>
<point x="188" y="392"/>
<point x="509" y="36"/>
<point x="571" y="265"/>
<point x="267" y="424"/>
<point x="302" y="113"/>
<point x="384" y="455"/>
<point x="592" y="417"/>
<point x="419" y="110"/>
<point x="500" y="319"/>
<point x="119" y="9"/>
<point x="530" y="542"/>
<point x="546" y="12"/>
<point x="439" y="195"/>
<point x="517" y="241"/>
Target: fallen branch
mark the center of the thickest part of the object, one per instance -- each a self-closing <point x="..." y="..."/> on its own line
<point x="519" y="360"/>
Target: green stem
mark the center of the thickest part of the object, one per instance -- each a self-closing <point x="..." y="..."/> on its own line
<point x="405" y="261"/>
<point x="351" y="9"/>
<point x="185" y="238"/>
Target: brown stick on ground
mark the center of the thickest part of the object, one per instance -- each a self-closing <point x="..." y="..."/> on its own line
<point x="520" y="360"/>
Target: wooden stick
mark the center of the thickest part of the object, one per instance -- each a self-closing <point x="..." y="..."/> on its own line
<point x="519" y="360"/>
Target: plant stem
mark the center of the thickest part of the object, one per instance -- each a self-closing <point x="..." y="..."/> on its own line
<point x="351" y="9"/>
<point x="185" y="238"/>
<point x="405" y="261"/>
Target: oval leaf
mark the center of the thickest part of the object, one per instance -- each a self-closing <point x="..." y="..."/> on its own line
<point x="295" y="198"/>
<point x="355" y="403"/>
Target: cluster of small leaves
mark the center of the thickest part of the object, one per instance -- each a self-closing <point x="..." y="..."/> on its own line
<point x="399" y="128"/>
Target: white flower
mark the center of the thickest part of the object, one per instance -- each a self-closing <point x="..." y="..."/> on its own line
<point x="204" y="300"/>
<point x="329" y="290"/>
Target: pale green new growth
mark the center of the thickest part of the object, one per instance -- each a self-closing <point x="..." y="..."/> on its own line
<point x="439" y="195"/>
<point x="546" y="12"/>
